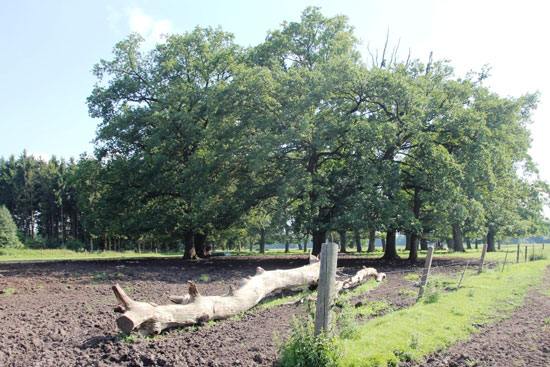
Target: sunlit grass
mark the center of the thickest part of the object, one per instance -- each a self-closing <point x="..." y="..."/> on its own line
<point x="426" y="327"/>
<point x="61" y="254"/>
<point x="12" y="254"/>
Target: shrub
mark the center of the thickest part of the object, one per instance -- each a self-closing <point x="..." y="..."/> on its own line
<point x="74" y="244"/>
<point x="8" y="229"/>
<point x="304" y="349"/>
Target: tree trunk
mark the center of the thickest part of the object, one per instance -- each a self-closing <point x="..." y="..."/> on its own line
<point x="491" y="239"/>
<point x="343" y="248"/>
<point x="372" y="241"/>
<point x="200" y="244"/>
<point x="450" y="244"/>
<point x="468" y="243"/>
<point x="319" y="237"/>
<point x="457" y="239"/>
<point x="305" y="243"/>
<point x="476" y="243"/>
<point x="194" y="308"/>
<point x="383" y="240"/>
<point x="287" y="246"/>
<point x="391" y="249"/>
<point x="262" y="241"/>
<point x="62" y="225"/>
<point x="423" y="244"/>
<point x="357" y="235"/>
<point x="189" y="244"/>
<point x="413" y="254"/>
<point x="407" y="242"/>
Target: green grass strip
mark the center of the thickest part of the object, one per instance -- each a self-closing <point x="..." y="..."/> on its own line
<point x="425" y="328"/>
<point x="10" y="254"/>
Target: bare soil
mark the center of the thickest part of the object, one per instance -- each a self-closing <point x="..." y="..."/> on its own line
<point x="61" y="314"/>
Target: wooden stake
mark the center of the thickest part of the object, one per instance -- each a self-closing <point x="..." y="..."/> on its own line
<point x="462" y="276"/>
<point x="517" y="256"/>
<point x="526" y="253"/>
<point x="505" y="257"/>
<point x="483" y="252"/>
<point x="326" y="288"/>
<point x="426" y="273"/>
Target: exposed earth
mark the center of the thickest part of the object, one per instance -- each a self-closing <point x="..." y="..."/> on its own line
<point x="61" y="314"/>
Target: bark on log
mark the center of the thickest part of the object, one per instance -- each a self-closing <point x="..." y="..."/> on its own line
<point x="193" y="308"/>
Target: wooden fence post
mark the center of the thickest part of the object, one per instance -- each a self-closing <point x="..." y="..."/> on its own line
<point x="483" y="252"/>
<point x="462" y="276"/>
<point x="505" y="257"/>
<point x="517" y="256"/>
<point x="326" y="288"/>
<point x="525" y="253"/>
<point x="426" y="273"/>
<point x="534" y="257"/>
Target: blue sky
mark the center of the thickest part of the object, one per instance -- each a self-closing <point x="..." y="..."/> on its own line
<point x="49" y="49"/>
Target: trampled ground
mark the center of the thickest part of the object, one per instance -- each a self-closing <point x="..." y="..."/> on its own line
<point x="61" y="314"/>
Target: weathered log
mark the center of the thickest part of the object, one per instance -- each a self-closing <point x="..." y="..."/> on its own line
<point x="360" y="277"/>
<point x="193" y="308"/>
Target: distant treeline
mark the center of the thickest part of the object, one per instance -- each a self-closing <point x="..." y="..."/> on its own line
<point x="202" y="141"/>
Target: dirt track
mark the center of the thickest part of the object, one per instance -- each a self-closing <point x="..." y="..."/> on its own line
<point x="61" y="313"/>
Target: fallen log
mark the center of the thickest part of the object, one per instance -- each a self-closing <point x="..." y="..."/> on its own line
<point x="193" y="308"/>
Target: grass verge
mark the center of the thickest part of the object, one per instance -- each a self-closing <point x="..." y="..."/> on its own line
<point x="7" y="255"/>
<point x="425" y="328"/>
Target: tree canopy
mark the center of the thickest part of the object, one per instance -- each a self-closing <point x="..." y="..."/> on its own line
<point x="201" y="138"/>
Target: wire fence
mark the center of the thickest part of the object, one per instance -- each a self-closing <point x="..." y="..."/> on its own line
<point x="462" y="267"/>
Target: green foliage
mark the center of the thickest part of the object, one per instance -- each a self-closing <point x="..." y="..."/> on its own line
<point x="431" y="295"/>
<point x="540" y="256"/>
<point x="8" y="230"/>
<point x="412" y="277"/>
<point x="297" y="136"/>
<point x="205" y="278"/>
<point x="348" y="327"/>
<point x="127" y="338"/>
<point x="303" y="349"/>
<point x="8" y="291"/>
<point x="74" y="245"/>
<point x="374" y="308"/>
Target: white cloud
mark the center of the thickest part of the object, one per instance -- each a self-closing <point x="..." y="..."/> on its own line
<point x="140" y="22"/>
<point x="151" y="29"/>
<point x="40" y="156"/>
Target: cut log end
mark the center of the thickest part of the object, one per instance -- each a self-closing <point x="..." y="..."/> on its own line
<point x="125" y="324"/>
